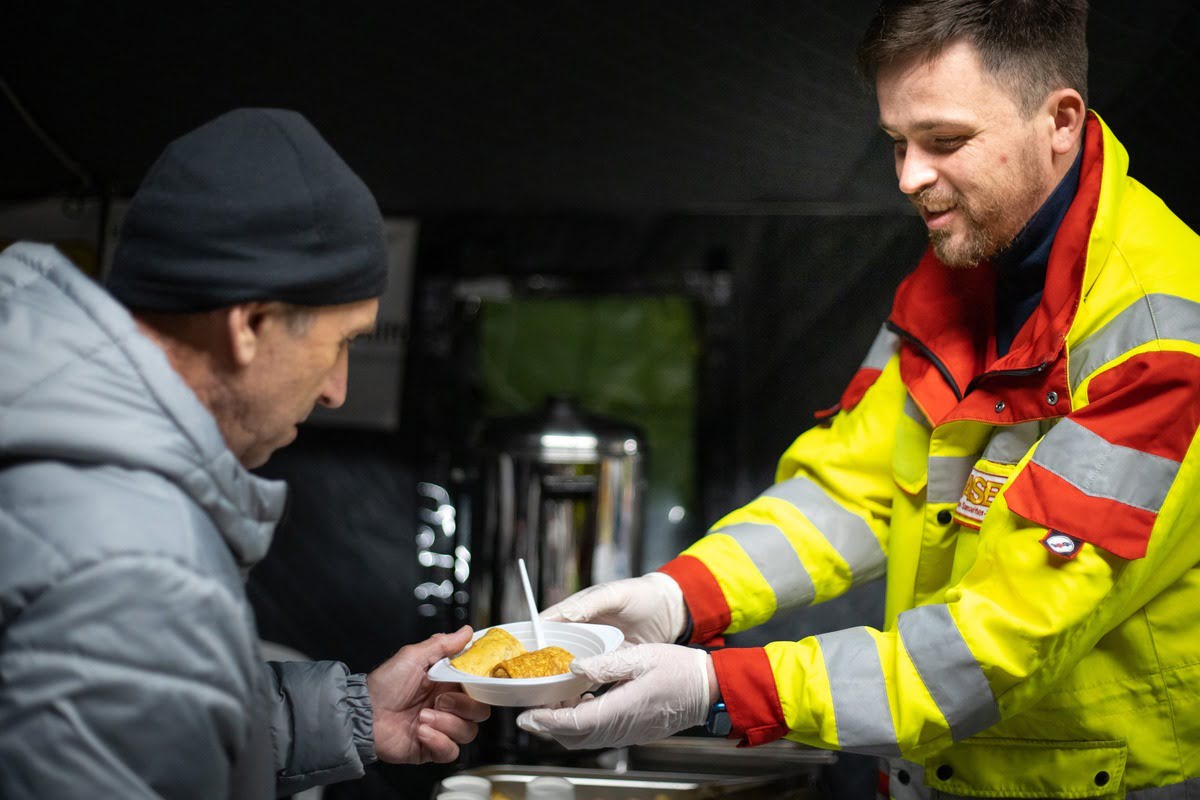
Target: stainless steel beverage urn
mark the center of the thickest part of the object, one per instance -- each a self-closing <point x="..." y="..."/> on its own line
<point x="562" y="489"/>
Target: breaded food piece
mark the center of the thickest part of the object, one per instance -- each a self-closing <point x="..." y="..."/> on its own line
<point x="489" y="650"/>
<point x="538" y="664"/>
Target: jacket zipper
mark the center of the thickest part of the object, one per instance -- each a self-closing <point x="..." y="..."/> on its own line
<point x="925" y="351"/>
<point x="1007" y="373"/>
<point x="978" y="379"/>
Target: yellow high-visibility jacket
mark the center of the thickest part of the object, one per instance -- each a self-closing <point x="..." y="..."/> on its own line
<point x="1037" y="517"/>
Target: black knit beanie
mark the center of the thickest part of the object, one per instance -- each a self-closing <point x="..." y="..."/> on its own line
<point x="253" y="205"/>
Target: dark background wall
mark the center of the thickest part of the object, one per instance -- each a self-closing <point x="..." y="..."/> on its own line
<point x="529" y="138"/>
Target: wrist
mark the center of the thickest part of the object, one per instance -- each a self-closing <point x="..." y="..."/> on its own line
<point x="714" y="688"/>
<point x="676" y="611"/>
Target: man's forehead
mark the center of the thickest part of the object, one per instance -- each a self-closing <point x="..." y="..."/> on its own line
<point x="949" y="91"/>
<point x="361" y="317"/>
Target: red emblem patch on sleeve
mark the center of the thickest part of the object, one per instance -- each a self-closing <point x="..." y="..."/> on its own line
<point x="1061" y="545"/>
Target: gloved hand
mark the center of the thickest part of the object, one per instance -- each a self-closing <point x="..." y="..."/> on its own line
<point x="646" y="609"/>
<point x="665" y="688"/>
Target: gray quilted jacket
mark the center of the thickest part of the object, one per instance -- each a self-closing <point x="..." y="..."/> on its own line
<point x="129" y="661"/>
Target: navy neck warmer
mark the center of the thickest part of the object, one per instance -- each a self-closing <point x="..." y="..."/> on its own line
<point x="1021" y="267"/>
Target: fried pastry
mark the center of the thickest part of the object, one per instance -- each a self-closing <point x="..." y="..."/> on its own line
<point x="538" y="664"/>
<point x="489" y="650"/>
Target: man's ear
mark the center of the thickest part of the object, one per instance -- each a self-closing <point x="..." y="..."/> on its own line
<point x="1067" y="113"/>
<point x="244" y="327"/>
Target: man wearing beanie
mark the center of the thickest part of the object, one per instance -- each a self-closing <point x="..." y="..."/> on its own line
<point x="129" y="665"/>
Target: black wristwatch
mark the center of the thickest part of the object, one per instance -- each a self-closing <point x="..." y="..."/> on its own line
<point x="718" y="723"/>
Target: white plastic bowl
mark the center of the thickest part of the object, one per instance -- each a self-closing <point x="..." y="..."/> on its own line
<point x="581" y="639"/>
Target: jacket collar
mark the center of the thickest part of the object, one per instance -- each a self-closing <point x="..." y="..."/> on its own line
<point x="84" y="385"/>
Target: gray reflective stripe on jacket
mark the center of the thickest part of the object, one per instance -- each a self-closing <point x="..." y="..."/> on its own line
<point x="883" y="347"/>
<point x="776" y="558"/>
<point x="944" y="662"/>
<point x="1152" y="318"/>
<point x="848" y="533"/>
<point x="1009" y="445"/>
<point x="948" y="669"/>
<point x="947" y="476"/>
<point x="1098" y="468"/>
<point x="860" y="699"/>
<point x="129" y="662"/>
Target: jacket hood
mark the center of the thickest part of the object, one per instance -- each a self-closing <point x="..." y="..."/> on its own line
<point x="82" y="384"/>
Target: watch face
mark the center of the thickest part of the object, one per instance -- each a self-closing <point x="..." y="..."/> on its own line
<point x="718" y="722"/>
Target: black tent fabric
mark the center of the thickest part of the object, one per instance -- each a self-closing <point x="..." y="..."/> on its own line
<point x="674" y="105"/>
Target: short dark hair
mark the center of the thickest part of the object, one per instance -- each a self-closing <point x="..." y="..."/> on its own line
<point x="1032" y="47"/>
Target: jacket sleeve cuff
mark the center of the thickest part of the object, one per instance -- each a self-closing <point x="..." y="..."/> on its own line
<point x="362" y="722"/>
<point x="321" y="725"/>
<point x="702" y="595"/>
<point x="751" y="697"/>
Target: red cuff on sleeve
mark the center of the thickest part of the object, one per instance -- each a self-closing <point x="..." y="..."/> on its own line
<point x="702" y="593"/>
<point x="751" y="697"/>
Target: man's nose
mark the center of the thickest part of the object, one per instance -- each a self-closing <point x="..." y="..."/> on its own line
<point x="333" y="393"/>
<point x="915" y="171"/>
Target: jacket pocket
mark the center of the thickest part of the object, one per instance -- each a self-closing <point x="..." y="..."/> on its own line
<point x="1027" y="769"/>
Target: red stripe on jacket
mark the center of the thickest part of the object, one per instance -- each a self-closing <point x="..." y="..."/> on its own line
<point x="1047" y="499"/>
<point x="710" y="613"/>
<point x="1150" y="402"/>
<point x="751" y="697"/>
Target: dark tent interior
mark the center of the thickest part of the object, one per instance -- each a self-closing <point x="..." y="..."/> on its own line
<point x="691" y="200"/>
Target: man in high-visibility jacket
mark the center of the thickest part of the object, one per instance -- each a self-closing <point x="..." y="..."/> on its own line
<point x="1017" y="454"/>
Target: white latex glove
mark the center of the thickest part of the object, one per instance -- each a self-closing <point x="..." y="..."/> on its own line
<point x="664" y="689"/>
<point x="646" y="609"/>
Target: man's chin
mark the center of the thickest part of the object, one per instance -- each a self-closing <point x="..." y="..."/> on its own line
<point x="956" y="254"/>
<point x="262" y="454"/>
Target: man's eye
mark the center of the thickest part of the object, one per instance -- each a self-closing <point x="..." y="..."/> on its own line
<point x="899" y="145"/>
<point x="949" y="142"/>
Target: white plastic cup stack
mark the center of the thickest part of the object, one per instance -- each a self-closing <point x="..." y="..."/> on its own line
<point x="548" y="788"/>
<point x="465" y="787"/>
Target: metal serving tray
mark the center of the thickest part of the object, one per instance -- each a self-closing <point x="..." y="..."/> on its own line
<point x="696" y="769"/>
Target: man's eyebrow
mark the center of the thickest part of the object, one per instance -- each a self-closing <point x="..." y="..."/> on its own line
<point x="927" y="124"/>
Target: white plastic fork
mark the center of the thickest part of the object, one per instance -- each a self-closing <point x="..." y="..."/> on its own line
<point x="538" y="637"/>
